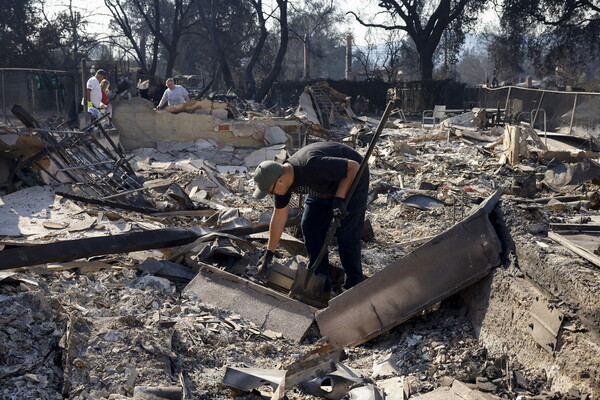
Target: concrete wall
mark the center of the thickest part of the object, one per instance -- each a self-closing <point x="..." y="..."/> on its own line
<point x="140" y="126"/>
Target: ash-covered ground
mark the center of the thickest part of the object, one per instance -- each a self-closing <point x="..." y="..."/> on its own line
<point x="99" y="329"/>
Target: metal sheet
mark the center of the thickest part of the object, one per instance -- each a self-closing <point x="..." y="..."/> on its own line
<point x="253" y="378"/>
<point x="545" y="323"/>
<point x="441" y="267"/>
<point x="423" y="202"/>
<point x="267" y="308"/>
<point x="281" y="277"/>
<point x="320" y="360"/>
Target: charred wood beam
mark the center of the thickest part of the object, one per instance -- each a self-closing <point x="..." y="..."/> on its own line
<point x="69" y="250"/>
<point x="81" y="248"/>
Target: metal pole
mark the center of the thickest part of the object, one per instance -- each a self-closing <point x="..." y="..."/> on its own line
<point x="83" y="85"/>
<point x="573" y="114"/>
<point x="306" y="71"/>
<point x="507" y="98"/>
<point x="4" y="99"/>
<point x="33" y="98"/>
<point x="537" y="108"/>
<point x="56" y="94"/>
<point x="348" y="72"/>
<point x="75" y="91"/>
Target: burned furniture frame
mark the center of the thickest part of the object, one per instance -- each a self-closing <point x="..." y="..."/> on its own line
<point x="88" y="164"/>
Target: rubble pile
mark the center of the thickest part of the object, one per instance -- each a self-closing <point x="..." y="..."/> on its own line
<point x="111" y="327"/>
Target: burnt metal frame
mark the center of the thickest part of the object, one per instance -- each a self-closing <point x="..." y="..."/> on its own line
<point x="98" y="173"/>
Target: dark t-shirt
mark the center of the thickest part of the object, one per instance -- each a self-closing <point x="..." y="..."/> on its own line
<point x="318" y="169"/>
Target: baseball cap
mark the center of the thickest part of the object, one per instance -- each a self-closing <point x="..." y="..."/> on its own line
<point x="101" y="72"/>
<point x="265" y="175"/>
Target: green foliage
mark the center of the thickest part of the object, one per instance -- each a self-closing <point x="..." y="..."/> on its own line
<point x="63" y="40"/>
<point x="18" y="33"/>
<point x="31" y="39"/>
<point x="559" y="35"/>
<point x="506" y="53"/>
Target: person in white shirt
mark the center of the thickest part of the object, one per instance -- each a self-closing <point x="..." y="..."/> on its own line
<point x="175" y="94"/>
<point x="94" y="92"/>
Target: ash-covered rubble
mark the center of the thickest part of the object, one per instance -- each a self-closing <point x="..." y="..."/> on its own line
<point x="101" y="328"/>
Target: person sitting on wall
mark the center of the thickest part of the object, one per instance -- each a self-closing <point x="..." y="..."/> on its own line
<point x="175" y="94"/>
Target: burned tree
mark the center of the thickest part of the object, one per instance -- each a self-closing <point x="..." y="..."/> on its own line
<point x="133" y="31"/>
<point x="209" y="16"/>
<point x="426" y="23"/>
<point x="257" y="50"/>
<point x="267" y="82"/>
<point x="316" y="46"/>
<point x="146" y="26"/>
<point x="169" y="24"/>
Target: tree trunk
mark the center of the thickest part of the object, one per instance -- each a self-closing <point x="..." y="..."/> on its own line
<point x="211" y="27"/>
<point x="154" y="65"/>
<point x="171" y="64"/>
<point x="250" y="81"/>
<point x="267" y="83"/>
<point x="426" y="65"/>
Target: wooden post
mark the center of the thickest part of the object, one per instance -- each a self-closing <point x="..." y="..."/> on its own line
<point x="512" y="144"/>
<point x="33" y="97"/>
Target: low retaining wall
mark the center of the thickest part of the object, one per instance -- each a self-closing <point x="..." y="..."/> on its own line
<point x="140" y="126"/>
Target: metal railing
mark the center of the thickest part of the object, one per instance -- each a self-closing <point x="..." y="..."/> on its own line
<point x="532" y="120"/>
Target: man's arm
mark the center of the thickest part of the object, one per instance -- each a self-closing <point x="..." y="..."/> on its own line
<point x="163" y="100"/>
<point x="277" y="225"/>
<point x="89" y="95"/>
<point x="345" y="183"/>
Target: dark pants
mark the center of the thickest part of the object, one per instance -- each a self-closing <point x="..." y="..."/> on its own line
<point x="316" y="220"/>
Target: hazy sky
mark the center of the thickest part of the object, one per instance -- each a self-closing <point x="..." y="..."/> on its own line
<point x="99" y="15"/>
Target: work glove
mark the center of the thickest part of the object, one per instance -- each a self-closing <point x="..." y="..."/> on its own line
<point x="89" y="104"/>
<point x="263" y="265"/>
<point x="339" y="208"/>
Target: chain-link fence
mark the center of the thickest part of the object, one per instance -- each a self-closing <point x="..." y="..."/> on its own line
<point x="572" y="113"/>
<point x="44" y="93"/>
<point x="414" y="97"/>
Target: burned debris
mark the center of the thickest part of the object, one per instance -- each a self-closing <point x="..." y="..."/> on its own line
<point x="136" y="276"/>
<point x="92" y="164"/>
